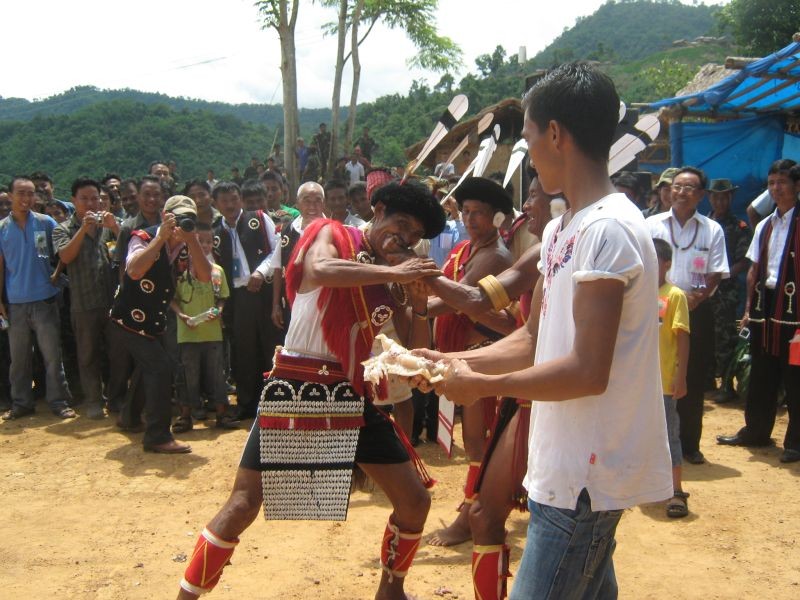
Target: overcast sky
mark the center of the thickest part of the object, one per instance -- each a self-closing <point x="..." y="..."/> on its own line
<point x="216" y="49"/>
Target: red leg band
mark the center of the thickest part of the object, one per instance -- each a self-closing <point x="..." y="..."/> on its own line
<point x="210" y="556"/>
<point x="397" y="550"/>
<point x="490" y="571"/>
<point x="472" y="478"/>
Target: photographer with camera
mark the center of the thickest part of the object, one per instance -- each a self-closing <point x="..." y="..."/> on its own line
<point x="156" y="256"/>
<point x="82" y="244"/>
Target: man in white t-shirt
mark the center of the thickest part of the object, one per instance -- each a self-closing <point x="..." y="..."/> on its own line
<point x="598" y="440"/>
<point x="355" y="170"/>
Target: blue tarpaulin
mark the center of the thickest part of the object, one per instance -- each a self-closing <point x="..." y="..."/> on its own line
<point x="740" y="150"/>
<point x="770" y="85"/>
<point x="756" y="99"/>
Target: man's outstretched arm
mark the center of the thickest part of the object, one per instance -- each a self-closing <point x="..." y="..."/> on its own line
<point x="597" y="309"/>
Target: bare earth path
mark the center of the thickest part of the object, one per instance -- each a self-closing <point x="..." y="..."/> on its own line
<point x="88" y="515"/>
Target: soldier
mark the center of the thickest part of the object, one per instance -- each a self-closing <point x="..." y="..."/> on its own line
<point x="322" y="140"/>
<point x="726" y="301"/>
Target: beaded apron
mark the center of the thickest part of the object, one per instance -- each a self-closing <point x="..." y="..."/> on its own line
<point x="309" y="420"/>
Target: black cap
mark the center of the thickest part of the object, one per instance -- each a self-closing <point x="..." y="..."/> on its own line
<point x="484" y="190"/>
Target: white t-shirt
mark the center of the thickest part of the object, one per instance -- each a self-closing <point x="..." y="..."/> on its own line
<point x="698" y="248"/>
<point x="355" y="171"/>
<point x="777" y="241"/>
<point x="613" y="444"/>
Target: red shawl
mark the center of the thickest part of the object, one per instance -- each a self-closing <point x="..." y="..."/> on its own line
<point x="349" y="329"/>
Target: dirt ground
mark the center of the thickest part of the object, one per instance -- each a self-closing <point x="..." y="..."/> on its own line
<point x="89" y="515"/>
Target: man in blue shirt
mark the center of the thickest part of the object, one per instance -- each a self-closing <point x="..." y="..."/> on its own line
<point x="25" y="253"/>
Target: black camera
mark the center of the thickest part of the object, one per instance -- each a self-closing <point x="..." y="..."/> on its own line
<point x="187" y="223"/>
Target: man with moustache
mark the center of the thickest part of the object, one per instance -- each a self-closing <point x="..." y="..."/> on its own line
<point x="315" y="419"/>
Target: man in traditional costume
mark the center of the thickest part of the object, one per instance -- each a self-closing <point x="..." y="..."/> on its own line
<point x="484" y="204"/>
<point x="499" y="483"/>
<point x="773" y="317"/>
<point x="315" y="420"/>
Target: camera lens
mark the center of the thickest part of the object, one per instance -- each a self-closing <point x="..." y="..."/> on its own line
<point x="187" y="225"/>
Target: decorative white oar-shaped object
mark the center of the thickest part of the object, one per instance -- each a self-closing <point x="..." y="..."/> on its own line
<point x="518" y="154"/>
<point x="481" y="160"/>
<point x="483" y="125"/>
<point x="625" y="149"/>
<point x="455" y="110"/>
<point x="487" y="148"/>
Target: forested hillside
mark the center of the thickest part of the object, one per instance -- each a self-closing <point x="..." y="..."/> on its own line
<point x="86" y="130"/>
<point x="123" y="137"/>
<point x="18" y="109"/>
<point x="629" y="30"/>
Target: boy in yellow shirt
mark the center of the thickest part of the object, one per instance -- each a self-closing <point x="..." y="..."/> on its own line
<point x="198" y="306"/>
<point x="673" y="347"/>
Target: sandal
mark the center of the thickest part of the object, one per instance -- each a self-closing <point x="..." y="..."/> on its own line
<point x="65" y="413"/>
<point x="182" y="425"/>
<point x="677" y="506"/>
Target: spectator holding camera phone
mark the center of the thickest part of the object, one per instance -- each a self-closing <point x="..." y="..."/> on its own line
<point x="82" y="244"/>
<point x="156" y="255"/>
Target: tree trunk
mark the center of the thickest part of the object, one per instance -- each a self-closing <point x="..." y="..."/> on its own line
<point x="333" y="154"/>
<point x="286" y="28"/>
<point x="351" y="111"/>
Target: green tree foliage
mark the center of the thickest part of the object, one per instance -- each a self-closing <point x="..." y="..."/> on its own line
<point x="628" y="30"/>
<point x="123" y="137"/>
<point x="668" y="77"/>
<point x="761" y="27"/>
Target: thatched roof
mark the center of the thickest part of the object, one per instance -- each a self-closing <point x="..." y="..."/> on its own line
<point x="507" y="113"/>
<point x="708" y="75"/>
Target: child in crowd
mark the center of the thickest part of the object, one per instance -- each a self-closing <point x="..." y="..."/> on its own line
<point x="200" y="339"/>
<point x="673" y="347"/>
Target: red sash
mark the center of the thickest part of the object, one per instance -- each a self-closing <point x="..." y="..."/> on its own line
<point x="453" y="329"/>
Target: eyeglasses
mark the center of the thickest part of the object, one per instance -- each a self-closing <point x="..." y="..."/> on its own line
<point x="689" y="189"/>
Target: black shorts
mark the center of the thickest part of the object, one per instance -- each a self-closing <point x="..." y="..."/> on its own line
<point x="377" y="443"/>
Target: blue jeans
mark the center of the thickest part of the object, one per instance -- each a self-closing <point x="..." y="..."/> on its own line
<point x="568" y="554"/>
<point x="40" y="319"/>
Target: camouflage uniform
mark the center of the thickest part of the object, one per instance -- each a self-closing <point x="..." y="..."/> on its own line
<point x="725" y="301"/>
<point x="323" y="143"/>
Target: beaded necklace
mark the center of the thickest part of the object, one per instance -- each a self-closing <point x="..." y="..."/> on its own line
<point x="694" y="237"/>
